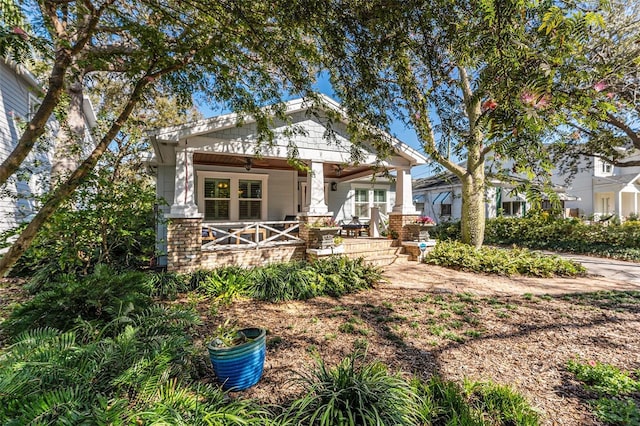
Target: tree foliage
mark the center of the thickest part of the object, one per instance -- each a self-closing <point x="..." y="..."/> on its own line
<point x="598" y="84"/>
<point x="243" y="54"/>
<point x="467" y="75"/>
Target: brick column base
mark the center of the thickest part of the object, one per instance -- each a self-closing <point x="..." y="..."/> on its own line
<point x="397" y="222"/>
<point x="184" y="242"/>
<point x="306" y="221"/>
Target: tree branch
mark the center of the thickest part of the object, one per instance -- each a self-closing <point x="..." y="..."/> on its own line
<point x="635" y="138"/>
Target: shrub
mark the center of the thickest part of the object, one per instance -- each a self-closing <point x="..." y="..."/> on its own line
<point x="106" y="221"/>
<point x="353" y="393"/>
<point x="141" y="375"/>
<point x="335" y="276"/>
<point x="344" y="275"/>
<point x="571" y="235"/>
<point x="456" y="255"/>
<point x="285" y="281"/>
<point x="97" y="298"/>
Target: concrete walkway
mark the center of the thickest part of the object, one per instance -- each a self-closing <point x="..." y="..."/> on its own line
<point x="617" y="270"/>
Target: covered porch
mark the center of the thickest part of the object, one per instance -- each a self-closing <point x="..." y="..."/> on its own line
<point x="616" y="196"/>
<point x="229" y="193"/>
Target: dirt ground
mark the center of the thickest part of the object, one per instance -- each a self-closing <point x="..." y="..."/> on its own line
<point x="428" y="320"/>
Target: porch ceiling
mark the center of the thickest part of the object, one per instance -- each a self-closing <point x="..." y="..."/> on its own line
<point x="331" y="170"/>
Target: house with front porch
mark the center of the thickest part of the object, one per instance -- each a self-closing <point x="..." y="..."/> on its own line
<point x="598" y="190"/>
<point x="235" y="201"/>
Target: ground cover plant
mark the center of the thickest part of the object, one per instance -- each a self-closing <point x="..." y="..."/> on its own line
<point x="456" y="351"/>
<point x="617" y="392"/>
<point x="298" y="280"/>
<point x="500" y="261"/>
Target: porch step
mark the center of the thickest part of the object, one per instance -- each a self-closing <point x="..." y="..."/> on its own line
<point x="378" y="252"/>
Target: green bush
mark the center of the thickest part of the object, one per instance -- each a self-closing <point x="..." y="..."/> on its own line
<point x="335" y="276"/>
<point x="106" y="221"/>
<point x="353" y="393"/>
<point x="285" y="281"/>
<point x="615" y="388"/>
<point x="97" y="298"/>
<point x="507" y="262"/>
<point x="570" y="235"/>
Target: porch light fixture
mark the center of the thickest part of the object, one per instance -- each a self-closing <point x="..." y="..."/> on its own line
<point x="248" y="163"/>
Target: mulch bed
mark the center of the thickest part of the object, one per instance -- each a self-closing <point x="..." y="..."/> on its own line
<point x="520" y="340"/>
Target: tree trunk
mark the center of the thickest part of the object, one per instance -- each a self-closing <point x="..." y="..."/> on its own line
<point x="473" y="206"/>
<point x="69" y="146"/>
<point x="36" y="126"/>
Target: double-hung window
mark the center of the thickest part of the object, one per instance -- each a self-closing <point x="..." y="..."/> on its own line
<point x="217" y="198"/>
<point x="380" y="200"/>
<point x="250" y="199"/>
<point x="365" y="198"/>
<point x="232" y="196"/>
<point x="362" y="203"/>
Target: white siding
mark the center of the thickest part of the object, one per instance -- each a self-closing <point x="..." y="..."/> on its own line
<point x="16" y="197"/>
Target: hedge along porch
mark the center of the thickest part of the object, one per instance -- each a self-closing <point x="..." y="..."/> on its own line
<point x="234" y="203"/>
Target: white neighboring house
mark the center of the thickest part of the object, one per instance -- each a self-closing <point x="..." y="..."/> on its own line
<point x="597" y="191"/>
<point x="20" y="95"/>
<point x="209" y="170"/>
<point x="605" y="190"/>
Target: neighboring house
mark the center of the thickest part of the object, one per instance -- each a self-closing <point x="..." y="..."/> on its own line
<point x="605" y="190"/>
<point x="20" y="95"/>
<point x="597" y="191"/>
<point x="19" y="98"/>
<point x="213" y="177"/>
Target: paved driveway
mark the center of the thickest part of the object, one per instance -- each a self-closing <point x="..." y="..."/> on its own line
<point x="613" y="269"/>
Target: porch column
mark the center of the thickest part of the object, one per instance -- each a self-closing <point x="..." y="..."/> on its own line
<point x="404" y="192"/>
<point x="618" y="205"/>
<point x="315" y="186"/>
<point x="184" y="204"/>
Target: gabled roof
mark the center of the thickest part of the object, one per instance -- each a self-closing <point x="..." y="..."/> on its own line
<point x="626" y="179"/>
<point x="173" y="134"/>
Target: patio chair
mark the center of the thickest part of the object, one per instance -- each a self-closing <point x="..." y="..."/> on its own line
<point x="355" y="228"/>
<point x="284" y="226"/>
<point x="208" y="235"/>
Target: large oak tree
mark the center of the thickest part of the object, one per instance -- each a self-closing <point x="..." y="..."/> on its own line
<point x="471" y="77"/>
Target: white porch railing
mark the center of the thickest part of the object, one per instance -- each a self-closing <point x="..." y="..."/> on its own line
<point x="383" y="223"/>
<point x="235" y="235"/>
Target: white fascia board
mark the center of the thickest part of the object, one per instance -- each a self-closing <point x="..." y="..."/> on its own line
<point x="25" y="74"/>
<point x="89" y="112"/>
<point x="174" y="134"/>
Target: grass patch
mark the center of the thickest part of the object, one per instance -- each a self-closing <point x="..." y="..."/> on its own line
<point x="617" y="391"/>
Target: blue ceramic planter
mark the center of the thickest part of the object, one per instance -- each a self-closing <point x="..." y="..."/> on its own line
<point x="240" y="367"/>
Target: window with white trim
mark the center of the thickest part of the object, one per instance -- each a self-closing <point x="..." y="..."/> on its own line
<point x="445" y="209"/>
<point x="33" y="105"/>
<point x="232" y="196"/>
<point x="361" y="208"/>
<point x="250" y="199"/>
<point x="365" y="198"/>
<point x="512" y="208"/>
<point x="380" y="200"/>
<point x="217" y="198"/>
